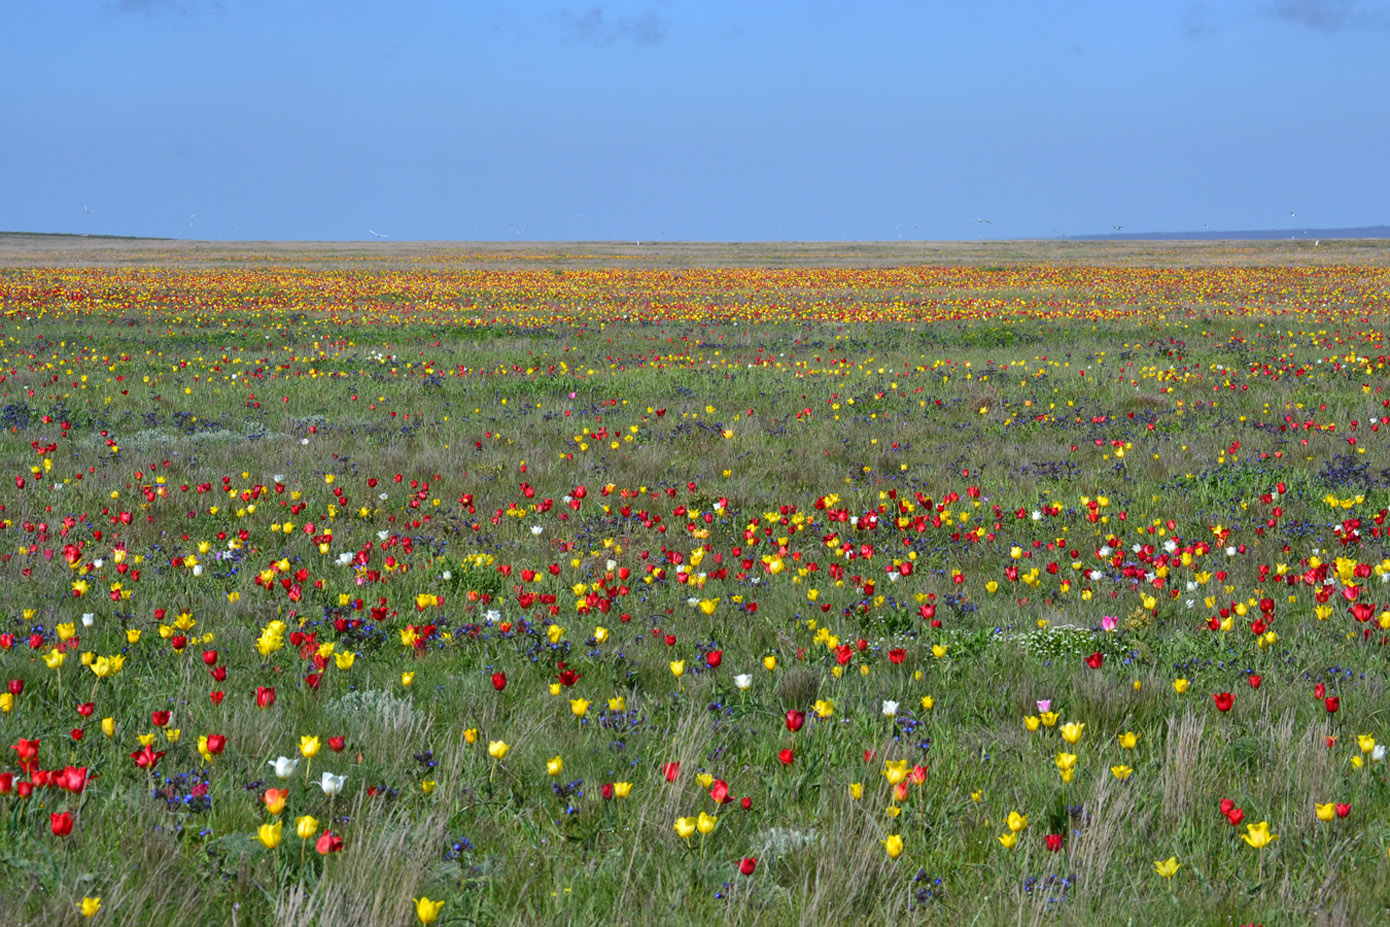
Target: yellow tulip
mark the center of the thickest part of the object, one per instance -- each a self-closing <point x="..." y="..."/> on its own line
<point x="601" y="634"/>
<point x="269" y="834"/>
<point x="1121" y="772"/>
<point x="1032" y="722"/>
<point x="309" y="746"/>
<point x="1010" y="840"/>
<point x="554" y="633"/>
<point x="706" y="823"/>
<point x="497" y="749"/>
<point x="1016" y="821"/>
<point x="344" y="660"/>
<point x="677" y="667"/>
<point x="1167" y="867"/>
<point x="685" y="827"/>
<point x="1366" y="742"/>
<point x="470" y="735"/>
<point x="622" y="789"/>
<point x="132" y="636"/>
<point x="89" y="906"/>
<point x="856" y="790"/>
<point x="54" y="659"/>
<point x="6" y="702"/>
<point x="407" y="678"/>
<point x="928" y="702"/>
<point x="108" y="727"/>
<point x="939" y="650"/>
<point x="1071" y="731"/>
<point x="554" y="766"/>
<point x="1258" y="835"/>
<point x="894" y="846"/>
<point x="306" y="826"/>
<point x="824" y="708"/>
<point x="1128" y="739"/>
<point x="1180" y="685"/>
<point x="427" y="911"/>
<point x="427" y="786"/>
<point x="617" y="703"/>
<point x="1325" y="812"/>
<point x="578" y="706"/>
<point x="1049" y="718"/>
<point x="769" y="662"/>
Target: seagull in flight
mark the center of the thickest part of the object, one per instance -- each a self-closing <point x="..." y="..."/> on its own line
<point x="1117" y="227"/>
<point x="85" y="209"/>
<point x="985" y="221"/>
<point x="377" y="234"/>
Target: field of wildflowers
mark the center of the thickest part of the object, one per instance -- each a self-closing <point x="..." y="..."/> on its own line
<point x="354" y="591"/>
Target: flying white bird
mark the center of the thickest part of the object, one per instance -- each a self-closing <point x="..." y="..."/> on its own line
<point x="85" y="209"/>
<point x="985" y="221"/>
<point x="377" y="234"/>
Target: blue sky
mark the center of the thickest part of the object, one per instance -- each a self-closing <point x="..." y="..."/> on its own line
<point x="655" y="119"/>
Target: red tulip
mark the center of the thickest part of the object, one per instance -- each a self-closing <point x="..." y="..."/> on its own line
<point x="1343" y="810"/>
<point x="786" y="756"/>
<point x="1054" y="842"/>
<point x="146" y="757"/>
<point x="747" y="865"/>
<point x="499" y="681"/>
<point x="897" y="655"/>
<point x="24" y="789"/>
<point x="747" y="803"/>
<point x="1332" y="703"/>
<point x="72" y="779"/>
<point x="16" y="687"/>
<point x="671" y="771"/>
<point x="328" y="842"/>
<point x="76" y="733"/>
<point x="1235" y="816"/>
<point x="1224" y="701"/>
<point x="606" y="791"/>
<point x="86" y="709"/>
<point x="61" y="823"/>
<point x="159" y="718"/>
<point x="714" y="657"/>
<point x="1094" y="661"/>
<point x="1254" y="681"/>
<point x="216" y="697"/>
<point x="210" y="657"/>
<point x="1227" y="806"/>
<point x="1319" y="691"/>
<point x="6" y="783"/>
<point x="720" y="792"/>
<point x="795" y="719"/>
<point x="336" y="744"/>
<point x="313" y="679"/>
<point x="28" y="751"/>
<point x="216" y="742"/>
<point x="265" y="696"/>
<point x="219" y="673"/>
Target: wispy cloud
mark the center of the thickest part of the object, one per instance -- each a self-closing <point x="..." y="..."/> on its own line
<point x="1333" y="15"/>
<point x="593" y="26"/>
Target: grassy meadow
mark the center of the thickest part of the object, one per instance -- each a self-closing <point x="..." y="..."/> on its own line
<point x="1017" y="583"/>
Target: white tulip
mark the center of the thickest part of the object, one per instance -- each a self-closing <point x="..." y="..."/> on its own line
<point x="331" y="784"/>
<point x="890" y="708"/>
<point x="743" y="680"/>
<point x="284" y="766"/>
